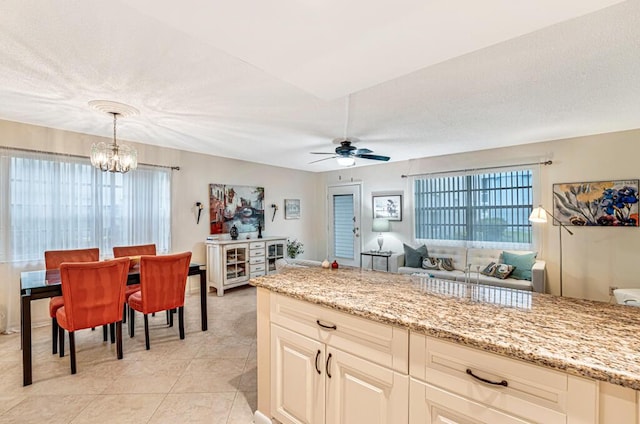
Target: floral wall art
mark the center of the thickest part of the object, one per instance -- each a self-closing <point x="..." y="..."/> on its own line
<point x="600" y="203"/>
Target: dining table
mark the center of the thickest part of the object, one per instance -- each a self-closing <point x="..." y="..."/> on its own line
<point x="43" y="284"/>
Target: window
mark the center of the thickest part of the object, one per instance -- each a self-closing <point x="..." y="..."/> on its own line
<point x="59" y="202"/>
<point x="477" y="208"/>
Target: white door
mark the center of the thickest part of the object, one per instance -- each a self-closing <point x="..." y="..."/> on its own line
<point x="359" y="391"/>
<point x="297" y="378"/>
<point x="344" y="224"/>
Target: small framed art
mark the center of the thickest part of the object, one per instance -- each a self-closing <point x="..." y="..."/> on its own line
<point x="291" y="208"/>
<point x="388" y="206"/>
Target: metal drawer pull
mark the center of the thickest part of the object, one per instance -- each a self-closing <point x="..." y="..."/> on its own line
<point x="328" y="327"/>
<point x="317" y="356"/>
<point x="327" y="366"/>
<point x="484" y="380"/>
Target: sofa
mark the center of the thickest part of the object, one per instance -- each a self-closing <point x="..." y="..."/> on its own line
<point x="477" y="259"/>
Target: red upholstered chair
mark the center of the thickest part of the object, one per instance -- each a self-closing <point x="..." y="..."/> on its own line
<point x="52" y="260"/>
<point x="139" y="250"/>
<point x="163" y="280"/>
<point x="93" y="295"/>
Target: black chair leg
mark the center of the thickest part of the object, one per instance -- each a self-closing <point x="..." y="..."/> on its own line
<point x="146" y="331"/>
<point x="181" y="321"/>
<point x="170" y="312"/>
<point x="61" y="341"/>
<point x="54" y="335"/>
<point x="132" y="322"/>
<point x="124" y="313"/>
<point x="112" y="328"/>
<point x="119" y="339"/>
<point x="105" y="334"/>
<point x="72" y="350"/>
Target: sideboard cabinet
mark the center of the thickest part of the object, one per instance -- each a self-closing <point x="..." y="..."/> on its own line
<point x="231" y="263"/>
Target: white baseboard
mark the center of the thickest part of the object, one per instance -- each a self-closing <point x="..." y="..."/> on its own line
<point x="260" y="418"/>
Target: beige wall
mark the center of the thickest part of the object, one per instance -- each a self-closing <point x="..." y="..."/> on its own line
<point x="593" y="259"/>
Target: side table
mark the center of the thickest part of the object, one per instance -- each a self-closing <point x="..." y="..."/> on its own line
<point x="373" y="254"/>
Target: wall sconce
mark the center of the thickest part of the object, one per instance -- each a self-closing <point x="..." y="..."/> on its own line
<point x="275" y="209"/>
<point x="200" y="207"/>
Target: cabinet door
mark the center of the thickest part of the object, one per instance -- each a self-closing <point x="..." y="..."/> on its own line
<point x="297" y="377"/>
<point x="359" y="391"/>
<point x="433" y="405"/>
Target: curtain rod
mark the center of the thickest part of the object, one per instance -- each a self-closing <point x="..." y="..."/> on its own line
<point x="548" y="162"/>
<point x="19" y="149"/>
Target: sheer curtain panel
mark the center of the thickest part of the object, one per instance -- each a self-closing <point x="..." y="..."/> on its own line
<point x="52" y="202"/>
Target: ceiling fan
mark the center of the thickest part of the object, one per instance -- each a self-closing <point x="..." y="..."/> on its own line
<point x="346" y="153"/>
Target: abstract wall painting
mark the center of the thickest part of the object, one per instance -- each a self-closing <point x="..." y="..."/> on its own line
<point x="242" y="206"/>
<point x="599" y="203"/>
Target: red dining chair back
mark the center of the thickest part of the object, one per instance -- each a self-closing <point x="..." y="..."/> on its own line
<point x="163" y="281"/>
<point x="138" y="250"/>
<point x="93" y="295"/>
<point x="142" y="249"/>
<point x="52" y="260"/>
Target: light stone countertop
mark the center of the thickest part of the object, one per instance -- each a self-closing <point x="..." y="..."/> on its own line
<point x="585" y="338"/>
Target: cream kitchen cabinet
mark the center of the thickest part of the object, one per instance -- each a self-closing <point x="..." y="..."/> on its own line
<point x="329" y="367"/>
<point x="231" y="263"/>
<point x="456" y="384"/>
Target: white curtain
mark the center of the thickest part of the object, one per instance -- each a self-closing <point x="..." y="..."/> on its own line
<point x="50" y="201"/>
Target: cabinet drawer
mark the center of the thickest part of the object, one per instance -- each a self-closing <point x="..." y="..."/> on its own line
<point x="377" y="342"/>
<point x="256" y="253"/>
<point x="256" y="245"/>
<point x="256" y="260"/>
<point x="256" y="267"/>
<point x="256" y="274"/>
<point x="530" y="390"/>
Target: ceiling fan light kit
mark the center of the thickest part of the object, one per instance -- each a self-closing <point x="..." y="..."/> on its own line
<point x="346" y="160"/>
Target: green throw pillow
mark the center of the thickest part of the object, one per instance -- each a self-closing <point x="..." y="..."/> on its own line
<point x="522" y="263"/>
<point x="413" y="257"/>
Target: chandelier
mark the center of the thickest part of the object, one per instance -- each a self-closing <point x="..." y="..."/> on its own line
<point x="113" y="157"/>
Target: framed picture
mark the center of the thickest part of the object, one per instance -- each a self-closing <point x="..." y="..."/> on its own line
<point x="291" y="208"/>
<point x="388" y="206"/>
<point x="598" y="203"/>
<point x="242" y="206"/>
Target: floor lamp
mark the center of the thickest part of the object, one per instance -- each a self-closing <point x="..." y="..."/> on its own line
<point x="539" y="214"/>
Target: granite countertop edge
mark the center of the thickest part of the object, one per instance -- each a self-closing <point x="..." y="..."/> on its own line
<point x="538" y="355"/>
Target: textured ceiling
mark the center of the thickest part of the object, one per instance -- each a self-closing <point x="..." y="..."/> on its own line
<point x="270" y="82"/>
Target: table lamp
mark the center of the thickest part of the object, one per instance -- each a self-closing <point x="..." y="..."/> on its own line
<point x="381" y="225"/>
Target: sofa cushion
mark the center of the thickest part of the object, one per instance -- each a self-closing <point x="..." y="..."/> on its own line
<point x="480" y="257"/>
<point x="443" y="264"/>
<point x="497" y="270"/>
<point x="413" y="257"/>
<point x="457" y="254"/>
<point x="523" y="262"/>
<point x="510" y="283"/>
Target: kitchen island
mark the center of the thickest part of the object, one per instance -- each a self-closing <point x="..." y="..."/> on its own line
<point x="453" y="352"/>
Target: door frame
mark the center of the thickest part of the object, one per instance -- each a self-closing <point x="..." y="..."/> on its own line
<point x="356" y="190"/>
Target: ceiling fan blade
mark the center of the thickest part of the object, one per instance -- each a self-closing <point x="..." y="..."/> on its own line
<point x="320" y="160"/>
<point x="373" y="157"/>
<point x="362" y="151"/>
<point x="322" y="153"/>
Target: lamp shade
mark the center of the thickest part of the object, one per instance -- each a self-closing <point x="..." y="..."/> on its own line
<point x="381" y="225"/>
<point x="538" y="215"/>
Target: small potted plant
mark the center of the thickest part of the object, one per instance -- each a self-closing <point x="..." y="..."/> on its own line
<point x="294" y="248"/>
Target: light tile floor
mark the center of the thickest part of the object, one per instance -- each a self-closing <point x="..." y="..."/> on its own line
<point x="209" y="377"/>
